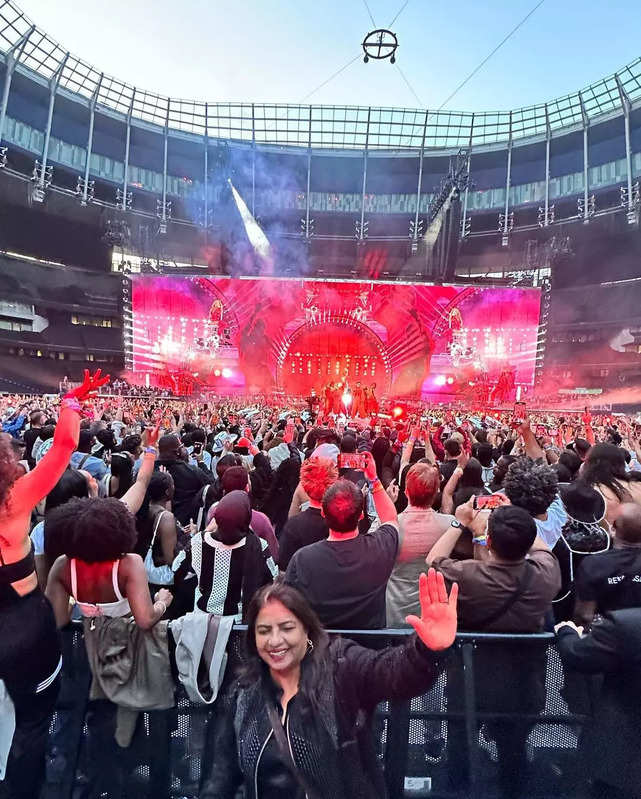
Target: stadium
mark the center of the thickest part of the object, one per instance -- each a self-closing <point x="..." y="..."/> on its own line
<point x="102" y="176"/>
<point x="309" y="281"/>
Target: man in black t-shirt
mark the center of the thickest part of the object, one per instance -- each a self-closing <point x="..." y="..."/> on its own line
<point x="612" y="580"/>
<point x="316" y="476"/>
<point x="36" y="421"/>
<point x="344" y="578"/>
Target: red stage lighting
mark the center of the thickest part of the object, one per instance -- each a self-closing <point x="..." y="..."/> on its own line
<point x="398" y="412"/>
<point x="450" y="380"/>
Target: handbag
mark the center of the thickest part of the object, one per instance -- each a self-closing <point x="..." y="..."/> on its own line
<point x="157" y="575"/>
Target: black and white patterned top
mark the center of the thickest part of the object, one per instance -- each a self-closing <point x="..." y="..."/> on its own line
<point x="227" y="575"/>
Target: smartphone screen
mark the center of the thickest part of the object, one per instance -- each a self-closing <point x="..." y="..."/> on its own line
<point x="488" y="502"/>
<point x="520" y="411"/>
<point x="351" y="460"/>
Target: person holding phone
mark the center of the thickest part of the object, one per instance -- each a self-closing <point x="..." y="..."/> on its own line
<point x="507" y="587"/>
<point x="344" y="578"/>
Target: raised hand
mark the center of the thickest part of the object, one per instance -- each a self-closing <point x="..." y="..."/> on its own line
<point x="437" y="625"/>
<point x="369" y="465"/>
<point x="150" y="436"/>
<point x="393" y="491"/>
<point x="463" y="459"/>
<point x="89" y="387"/>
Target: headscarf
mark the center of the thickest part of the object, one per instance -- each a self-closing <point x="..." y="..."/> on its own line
<point x="233" y="516"/>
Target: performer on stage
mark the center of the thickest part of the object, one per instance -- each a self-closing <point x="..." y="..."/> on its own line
<point x="358" y="405"/>
<point x="337" y="398"/>
<point x="372" y="405"/>
<point x="347" y="401"/>
<point x="313" y="401"/>
<point x="328" y="396"/>
<point x="504" y="386"/>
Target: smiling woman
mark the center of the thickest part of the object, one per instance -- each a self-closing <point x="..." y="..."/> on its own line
<point x="299" y="707"/>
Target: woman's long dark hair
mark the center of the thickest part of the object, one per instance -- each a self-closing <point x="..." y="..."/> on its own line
<point x="605" y="465"/>
<point x="316" y="665"/>
<point x="122" y="467"/>
<point x="379" y="450"/>
<point x="261" y="478"/>
<point x="280" y="494"/>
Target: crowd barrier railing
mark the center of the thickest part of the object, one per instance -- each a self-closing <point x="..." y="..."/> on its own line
<point x="492" y="682"/>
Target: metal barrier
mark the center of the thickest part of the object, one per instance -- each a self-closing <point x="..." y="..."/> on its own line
<point x="497" y="692"/>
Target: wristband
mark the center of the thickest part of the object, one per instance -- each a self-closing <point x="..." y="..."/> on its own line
<point x="72" y="403"/>
<point x="151" y="451"/>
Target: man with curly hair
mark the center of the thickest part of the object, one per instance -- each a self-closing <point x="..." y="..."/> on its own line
<point x="533" y="486"/>
<point x="316" y="476"/>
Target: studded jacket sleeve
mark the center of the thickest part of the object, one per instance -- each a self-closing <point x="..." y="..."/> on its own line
<point x="395" y="673"/>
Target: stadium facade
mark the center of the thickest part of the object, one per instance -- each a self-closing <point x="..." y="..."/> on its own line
<point x="98" y="173"/>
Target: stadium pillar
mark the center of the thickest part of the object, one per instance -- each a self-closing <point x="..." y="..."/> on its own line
<point x="506" y="219"/>
<point x="548" y="140"/>
<point x="586" y="174"/>
<point x="467" y="184"/>
<point x="362" y="228"/>
<point x="415" y="232"/>
<point x="163" y="209"/>
<point x="625" y="105"/>
<point x="125" y="179"/>
<point x="309" y="176"/>
<point x="254" y="161"/>
<point x="92" y="115"/>
<point x="53" y="87"/>
<point x="205" y="175"/>
<point x="12" y="57"/>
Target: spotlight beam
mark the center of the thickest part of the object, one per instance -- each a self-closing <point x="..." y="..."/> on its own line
<point x="255" y="234"/>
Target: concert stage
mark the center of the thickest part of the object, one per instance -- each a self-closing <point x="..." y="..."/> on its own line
<point x="260" y="335"/>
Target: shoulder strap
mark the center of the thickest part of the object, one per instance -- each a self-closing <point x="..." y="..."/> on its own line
<point x="285" y="751"/>
<point x="524" y="580"/>
<point x="74" y="579"/>
<point x="83" y="461"/>
<point x="114" y="580"/>
<point x="156" y="525"/>
<point x="201" y="506"/>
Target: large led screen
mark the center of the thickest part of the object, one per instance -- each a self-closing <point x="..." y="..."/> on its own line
<point x="261" y="335"/>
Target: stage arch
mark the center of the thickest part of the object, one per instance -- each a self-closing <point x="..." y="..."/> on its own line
<point x="322" y="351"/>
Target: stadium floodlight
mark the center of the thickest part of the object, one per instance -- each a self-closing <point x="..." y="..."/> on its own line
<point x="255" y="234"/>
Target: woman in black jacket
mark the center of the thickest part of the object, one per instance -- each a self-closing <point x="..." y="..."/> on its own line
<point x="296" y="723"/>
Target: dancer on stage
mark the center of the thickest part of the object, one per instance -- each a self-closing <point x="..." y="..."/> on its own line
<point x="505" y="385"/>
<point x="328" y="396"/>
<point x="358" y="404"/>
<point x="372" y="402"/>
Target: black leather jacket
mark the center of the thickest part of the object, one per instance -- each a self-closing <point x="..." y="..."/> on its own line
<point x="333" y="747"/>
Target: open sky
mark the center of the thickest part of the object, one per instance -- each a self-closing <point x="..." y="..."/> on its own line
<point x="282" y="50"/>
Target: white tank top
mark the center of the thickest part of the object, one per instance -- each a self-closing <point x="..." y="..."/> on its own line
<point x="112" y="609"/>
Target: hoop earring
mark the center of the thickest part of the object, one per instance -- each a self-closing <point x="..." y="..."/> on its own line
<point x="310" y="646"/>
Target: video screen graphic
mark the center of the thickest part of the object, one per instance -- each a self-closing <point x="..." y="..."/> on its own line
<point x="259" y="335"/>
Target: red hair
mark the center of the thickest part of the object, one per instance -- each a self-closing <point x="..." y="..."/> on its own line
<point x="422" y="484"/>
<point x="317" y="475"/>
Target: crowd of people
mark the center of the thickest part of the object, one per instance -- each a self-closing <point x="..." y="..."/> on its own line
<point x="158" y="523"/>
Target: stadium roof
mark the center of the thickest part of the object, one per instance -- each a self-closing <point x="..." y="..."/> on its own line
<point x="318" y="126"/>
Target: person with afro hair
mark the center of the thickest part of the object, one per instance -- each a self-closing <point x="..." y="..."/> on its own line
<point x="534" y="486"/>
<point x="99" y="567"/>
